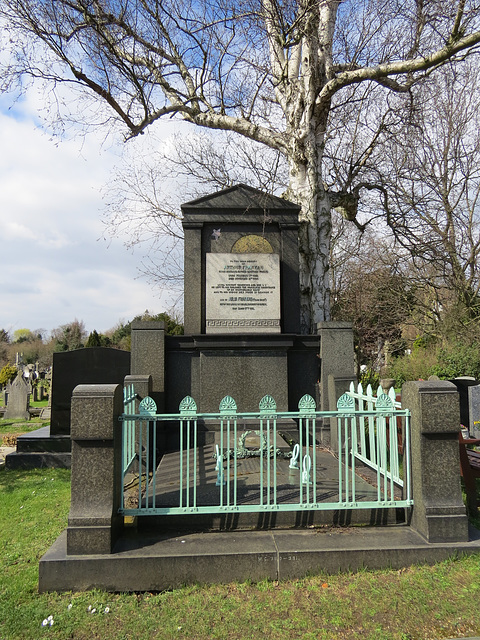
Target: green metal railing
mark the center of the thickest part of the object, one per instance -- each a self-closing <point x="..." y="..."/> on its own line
<point x="218" y="478"/>
<point x="128" y="433"/>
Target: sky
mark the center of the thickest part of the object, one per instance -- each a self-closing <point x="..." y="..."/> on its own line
<point x="56" y="262"/>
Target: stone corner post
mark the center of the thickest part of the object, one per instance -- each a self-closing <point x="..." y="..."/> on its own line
<point x="93" y="522"/>
<point x="337" y="356"/>
<point x="438" y="510"/>
<point x="142" y="385"/>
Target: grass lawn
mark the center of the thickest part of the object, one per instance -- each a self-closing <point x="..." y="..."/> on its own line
<point x="414" y="603"/>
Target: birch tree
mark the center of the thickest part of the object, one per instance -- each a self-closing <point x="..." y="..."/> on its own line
<point x="273" y="71"/>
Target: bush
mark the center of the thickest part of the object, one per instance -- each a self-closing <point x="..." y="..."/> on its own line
<point x="369" y="376"/>
<point x="458" y="359"/>
<point x="8" y="374"/>
<point x="416" y="366"/>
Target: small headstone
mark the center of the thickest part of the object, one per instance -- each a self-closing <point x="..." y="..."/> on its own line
<point x="18" y="395"/>
<point x="474" y="410"/>
<point x="463" y="385"/>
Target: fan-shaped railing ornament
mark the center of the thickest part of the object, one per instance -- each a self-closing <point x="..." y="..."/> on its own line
<point x="148" y="407"/>
<point x="267" y="405"/>
<point x="307" y="404"/>
<point x="188" y="406"/>
<point x="384" y="403"/>
<point x="346" y="403"/>
<point x="228" y="405"/>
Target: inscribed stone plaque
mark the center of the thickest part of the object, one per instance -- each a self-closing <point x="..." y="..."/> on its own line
<point x="243" y="293"/>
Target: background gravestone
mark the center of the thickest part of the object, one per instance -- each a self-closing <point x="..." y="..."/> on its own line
<point x="474" y="410"/>
<point x="18" y="394"/>
<point x="464" y="384"/>
<point x="95" y="365"/>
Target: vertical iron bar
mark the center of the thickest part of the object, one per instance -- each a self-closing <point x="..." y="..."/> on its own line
<point x="140" y="447"/>
<point x="187" y="461"/>
<point x="235" y="440"/>
<point x="269" y="478"/>
<point x="261" y="462"/>
<point x="154" y="475"/>
<point x="393" y="439"/>
<point x="346" y="456"/>
<point x="182" y="425"/>
<point x="307" y="453"/>
<point x="147" y="461"/>
<point x="376" y="453"/>
<point x="339" y="440"/>
<point x="228" y="462"/>
<point x="195" y="461"/>
<point x="300" y="458"/>
<point x="353" y="437"/>
<point x="274" y="460"/>
<point x="406" y="457"/>
<point x="124" y="469"/>
<point x="314" y="454"/>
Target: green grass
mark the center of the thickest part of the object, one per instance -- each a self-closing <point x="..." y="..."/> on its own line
<point x="39" y="403"/>
<point x="10" y="429"/>
<point x="416" y="603"/>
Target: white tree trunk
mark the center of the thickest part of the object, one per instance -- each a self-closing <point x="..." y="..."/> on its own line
<point x="306" y="188"/>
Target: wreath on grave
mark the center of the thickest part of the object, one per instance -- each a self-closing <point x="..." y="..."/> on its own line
<point x="243" y="452"/>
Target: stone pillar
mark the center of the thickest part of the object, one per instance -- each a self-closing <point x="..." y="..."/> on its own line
<point x="438" y="511"/>
<point x="93" y="521"/>
<point x="337" y="386"/>
<point x="194" y="278"/>
<point x="336" y="354"/>
<point x="148" y="357"/>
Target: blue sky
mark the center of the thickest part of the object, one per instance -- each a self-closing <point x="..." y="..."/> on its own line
<point x="56" y="264"/>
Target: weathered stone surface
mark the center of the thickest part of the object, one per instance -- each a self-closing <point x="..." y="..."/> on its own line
<point x="246" y="376"/>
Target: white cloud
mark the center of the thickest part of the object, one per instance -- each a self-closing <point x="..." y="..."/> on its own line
<point x="55" y="265"/>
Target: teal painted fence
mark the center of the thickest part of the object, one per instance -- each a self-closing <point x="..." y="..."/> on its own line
<point x="366" y="432"/>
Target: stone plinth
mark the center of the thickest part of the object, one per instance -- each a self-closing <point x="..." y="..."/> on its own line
<point x="93" y="521"/>
<point x="438" y="512"/>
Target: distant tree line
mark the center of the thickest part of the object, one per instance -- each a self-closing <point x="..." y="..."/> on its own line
<point x="39" y="346"/>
